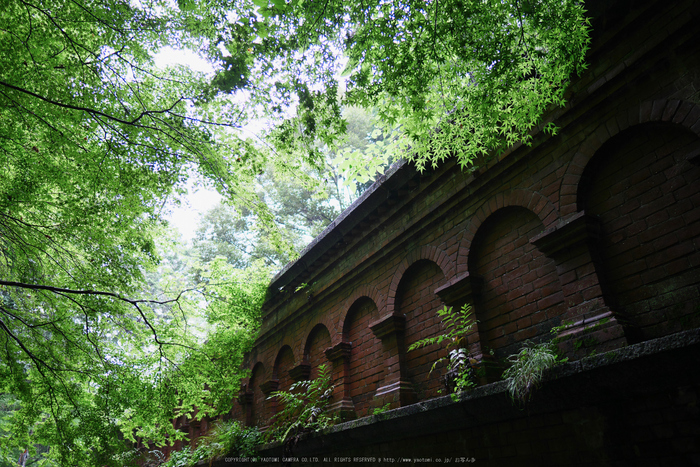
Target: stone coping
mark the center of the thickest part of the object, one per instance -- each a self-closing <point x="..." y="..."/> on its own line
<point x="638" y="368"/>
<point x="394" y="177"/>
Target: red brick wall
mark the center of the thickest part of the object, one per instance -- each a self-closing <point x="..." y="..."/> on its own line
<point x="595" y="229"/>
<point x="635" y="406"/>
<point x="647" y="196"/>
<point x="366" y="369"/>
<point x="521" y="297"/>
<point x="416" y="300"/>
<point x="283" y="364"/>
<point x="318" y="342"/>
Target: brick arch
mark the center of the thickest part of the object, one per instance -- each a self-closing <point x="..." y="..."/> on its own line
<point x="353" y="305"/>
<point x="317" y="341"/>
<point x="520" y="295"/>
<point x="297" y="348"/>
<point x="417" y="301"/>
<point x="257" y="367"/>
<point x="365" y="290"/>
<point x="674" y="111"/>
<point x="326" y="320"/>
<point x="275" y="368"/>
<point x="533" y="201"/>
<point x="365" y="371"/>
<point x="318" y="327"/>
<point x="642" y="186"/>
<point x="281" y="377"/>
<point x="258" y="363"/>
<point x="427" y="252"/>
<point x="257" y="410"/>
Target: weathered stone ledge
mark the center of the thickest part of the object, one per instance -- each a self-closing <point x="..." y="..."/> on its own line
<point x="597" y="381"/>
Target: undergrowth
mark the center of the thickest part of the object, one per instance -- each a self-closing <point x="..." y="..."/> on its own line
<point x="527" y="368"/>
<point x="303" y="409"/>
<point x="457" y="323"/>
<point x="224" y="439"/>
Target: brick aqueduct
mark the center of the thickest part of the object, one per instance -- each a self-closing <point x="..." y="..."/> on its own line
<point x="595" y="230"/>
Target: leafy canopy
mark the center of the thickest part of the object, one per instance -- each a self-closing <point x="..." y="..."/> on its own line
<point x="94" y="140"/>
<point x="447" y="77"/>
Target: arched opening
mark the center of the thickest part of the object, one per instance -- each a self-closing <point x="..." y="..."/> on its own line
<point x="366" y="366"/>
<point x="520" y="298"/>
<point x="258" y="413"/>
<point x="646" y="194"/>
<point x="416" y="298"/>
<point x="314" y="352"/>
<point x="283" y="364"/>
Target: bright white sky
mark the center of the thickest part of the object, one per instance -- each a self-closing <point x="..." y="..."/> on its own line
<point x="199" y="200"/>
<point x="186" y="216"/>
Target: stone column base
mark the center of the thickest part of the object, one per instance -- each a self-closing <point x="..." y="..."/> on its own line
<point x="397" y="394"/>
<point x="344" y="408"/>
<point x="596" y="334"/>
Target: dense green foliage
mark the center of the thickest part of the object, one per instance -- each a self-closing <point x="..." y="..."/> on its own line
<point x="236" y="234"/>
<point x="228" y="439"/>
<point x="93" y="143"/>
<point x="98" y="346"/>
<point x="301" y="205"/>
<point x="447" y="77"/>
<point x="303" y="408"/>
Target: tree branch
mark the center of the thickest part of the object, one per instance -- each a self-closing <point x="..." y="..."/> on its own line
<point x="61" y="290"/>
<point x="92" y="111"/>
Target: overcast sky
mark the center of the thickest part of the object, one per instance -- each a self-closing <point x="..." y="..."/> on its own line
<point x="186" y="216"/>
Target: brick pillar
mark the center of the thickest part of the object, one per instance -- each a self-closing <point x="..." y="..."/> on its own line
<point x="267" y="388"/>
<point x="339" y="356"/>
<point x="589" y="322"/>
<point x="465" y="289"/>
<point x="396" y="390"/>
<point x="246" y="400"/>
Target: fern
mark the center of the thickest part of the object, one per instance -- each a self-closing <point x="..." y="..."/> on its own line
<point x="303" y="408"/>
<point x="457" y="324"/>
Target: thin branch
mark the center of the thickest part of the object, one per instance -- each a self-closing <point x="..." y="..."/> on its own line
<point x="61" y="290"/>
<point x="94" y="112"/>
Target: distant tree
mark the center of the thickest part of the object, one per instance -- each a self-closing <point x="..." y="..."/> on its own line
<point x="302" y="203"/>
<point x="223" y="233"/>
<point x="299" y="212"/>
<point x="362" y="155"/>
<point x="302" y="211"/>
<point x="94" y="140"/>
